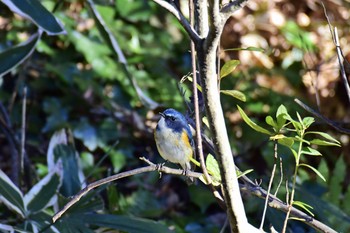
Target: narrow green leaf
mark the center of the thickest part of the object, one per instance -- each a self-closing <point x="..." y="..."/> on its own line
<point x="321" y="142"/>
<point x="299" y="139"/>
<point x="325" y="135"/>
<point x="228" y="67"/>
<point x="38" y="14"/>
<point x="314" y="170"/>
<point x="239" y="174"/>
<point x="304" y="206"/>
<point x="191" y="80"/>
<point x="311" y="151"/>
<point x="10" y="195"/>
<point x="234" y="93"/>
<point x="252" y="124"/>
<point x="14" y="56"/>
<point x="295" y="154"/>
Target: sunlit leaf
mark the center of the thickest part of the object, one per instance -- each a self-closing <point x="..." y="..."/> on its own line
<point x="252" y="124"/>
<point x="213" y="167"/>
<point x="325" y="135"/>
<point x="314" y="170"/>
<point x="286" y="141"/>
<point x="234" y="93"/>
<point x="307" y="121"/>
<point x="269" y="120"/>
<point x="311" y="151"/>
<point x="228" y="67"/>
<point x="321" y="142"/>
<point x="240" y="174"/>
<point x="304" y="206"/>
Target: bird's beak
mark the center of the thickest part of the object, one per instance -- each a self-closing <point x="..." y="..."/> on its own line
<point x="162" y="114"/>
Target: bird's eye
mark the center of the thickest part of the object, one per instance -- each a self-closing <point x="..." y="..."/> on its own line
<point x="172" y="118"/>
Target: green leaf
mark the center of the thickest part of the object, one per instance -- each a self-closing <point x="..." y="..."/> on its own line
<point x="42" y="194"/>
<point x="213" y="167"/>
<point x="234" y="93"/>
<point x="286" y="141"/>
<point x="72" y="173"/>
<point x="239" y="173"/>
<point x="269" y="120"/>
<point x="304" y="206"/>
<point x="323" y="142"/>
<point x="38" y="14"/>
<point x="118" y="159"/>
<point x="295" y="154"/>
<point x="14" y="56"/>
<point x="125" y="223"/>
<point x="228" y="67"/>
<point x="311" y="151"/>
<point x="281" y="111"/>
<point x="325" y="135"/>
<point x="314" y="170"/>
<point x="252" y="124"/>
<point x="10" y="195"/>
<point x="307" y="121"/>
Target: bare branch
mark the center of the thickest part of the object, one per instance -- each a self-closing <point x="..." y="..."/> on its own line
<point x="151" y="167"/>
<point x="177" y="13"/>
<point x="320" y="116"/>
<point x="340" y="56"/>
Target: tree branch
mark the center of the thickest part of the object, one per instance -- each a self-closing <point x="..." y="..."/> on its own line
<point x="181" y="18"/>
<point x="151" y="167"/>
<point x="208" y="70"/>
<point x="231" y="7"/>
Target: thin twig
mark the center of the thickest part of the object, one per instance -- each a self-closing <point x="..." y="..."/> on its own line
<point x="320" y="116"/>
<point x="342" y="69"/>
<point x="176" y="12"/>
<point x="23" y="132"/>
<point x="195" y="103"/>
<point x="335" y="37"/>
<point x="281" y="179"/>
<point x="269" y="187"/>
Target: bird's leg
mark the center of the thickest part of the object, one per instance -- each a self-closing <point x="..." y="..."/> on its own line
<point x="159" y="168"/>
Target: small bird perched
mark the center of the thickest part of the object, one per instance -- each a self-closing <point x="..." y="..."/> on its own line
<point x="174" y="138"/>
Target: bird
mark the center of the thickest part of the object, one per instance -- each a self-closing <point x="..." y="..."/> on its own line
<point x="174" y="139"/>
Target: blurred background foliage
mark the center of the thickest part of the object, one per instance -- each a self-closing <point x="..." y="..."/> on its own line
<point x="77" y="81"/>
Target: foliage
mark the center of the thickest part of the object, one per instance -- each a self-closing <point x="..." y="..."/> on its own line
<point x="103" y="69"/>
